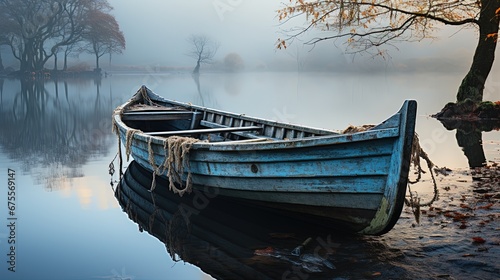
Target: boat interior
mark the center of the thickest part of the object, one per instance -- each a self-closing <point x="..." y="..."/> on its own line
<point x="211" y="125"/>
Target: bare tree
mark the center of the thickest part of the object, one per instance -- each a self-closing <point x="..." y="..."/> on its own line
<point x="369" y="24"/>
<point x="203" y="49"/>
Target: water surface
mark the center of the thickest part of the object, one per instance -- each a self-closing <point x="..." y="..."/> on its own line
<point x="57" y="138"/>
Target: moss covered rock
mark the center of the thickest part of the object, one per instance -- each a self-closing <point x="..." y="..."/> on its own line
<point x="470" y="110"/>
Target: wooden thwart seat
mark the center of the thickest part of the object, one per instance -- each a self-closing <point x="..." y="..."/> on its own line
<point x="160" y="115"/>
<point x="204" y="131"/>
<point x="239" y="133"/>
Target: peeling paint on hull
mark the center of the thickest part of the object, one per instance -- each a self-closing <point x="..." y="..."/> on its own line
<point x="357" y="180"/>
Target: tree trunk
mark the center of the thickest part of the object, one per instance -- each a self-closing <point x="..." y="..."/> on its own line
<point x="472" y="86"/>
<point x="65" y="65"/>
<point x="2" y="68"/>
<point x="96" y="61"/>
<point x="197" y="68"/>
<point x="55" y="62"/>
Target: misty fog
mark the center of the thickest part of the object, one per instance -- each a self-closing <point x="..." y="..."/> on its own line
<point x="156" y="33"/>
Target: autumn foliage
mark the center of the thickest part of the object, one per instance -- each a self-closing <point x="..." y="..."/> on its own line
<point x="368" y="24"/>
<point x="103" y="35"/>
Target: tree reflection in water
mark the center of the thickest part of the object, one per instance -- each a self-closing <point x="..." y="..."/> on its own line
<point x="469" y="138"/>
<point x="205" y="96"/>
<point x="42" y="129"/>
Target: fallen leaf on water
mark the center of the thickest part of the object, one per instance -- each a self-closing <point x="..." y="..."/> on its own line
<point x="376" y="274"/>
<point x="482" y="223"/>
<point x="456" y="216"/>
<point x="465" y="206"/>
<point x="264" y="251"/>
<point x="468" y="255"/>
<point x="478" y="240"/>
<point x="485" y="206"/>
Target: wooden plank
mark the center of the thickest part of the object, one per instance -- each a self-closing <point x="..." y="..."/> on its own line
<point x="382" y="147"/>
<point x="234" y="142"/>
<point x="242" y="134"/>
<point x="131" y="113"/>
<point x="349" y="184"/>
<point x="203" y="131"/>
<point x="160" y="115"/>
<point x="376" y="165"/>
<point x="318" y="141"/>
<point x="149" y="108"/>
<point x="295" y="200"/>
<point x="392" y="122"/>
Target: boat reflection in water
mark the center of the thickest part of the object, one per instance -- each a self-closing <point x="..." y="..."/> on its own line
<point x="232" y="240"/>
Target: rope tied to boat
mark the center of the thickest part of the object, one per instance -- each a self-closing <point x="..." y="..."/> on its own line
<point x="157" y="170"/>
<point x="128" y="141"/>
<point x="175" y="161"/>
<point x="145" y="96"/>
<point x="116" y="131"/>
<point x="353" y="129"/>
<point x="416" y="154"/>
<point x="178" y="159"/>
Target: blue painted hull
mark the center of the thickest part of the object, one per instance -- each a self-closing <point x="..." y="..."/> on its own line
<point x="357" y="180"/>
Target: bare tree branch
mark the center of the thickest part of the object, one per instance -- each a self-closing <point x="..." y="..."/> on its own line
<point x="375" y="23"/>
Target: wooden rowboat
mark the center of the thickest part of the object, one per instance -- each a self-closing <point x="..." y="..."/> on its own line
<point x="355" y="180"/>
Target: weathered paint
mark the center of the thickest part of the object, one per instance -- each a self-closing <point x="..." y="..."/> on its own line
<point x="366" y="170"/>
<point x="391" y="207"/>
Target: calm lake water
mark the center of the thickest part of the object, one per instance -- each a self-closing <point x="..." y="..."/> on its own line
<point x="56" y="145"/>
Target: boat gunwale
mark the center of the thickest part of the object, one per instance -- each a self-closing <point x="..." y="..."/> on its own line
<point x="271" y="143"/>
